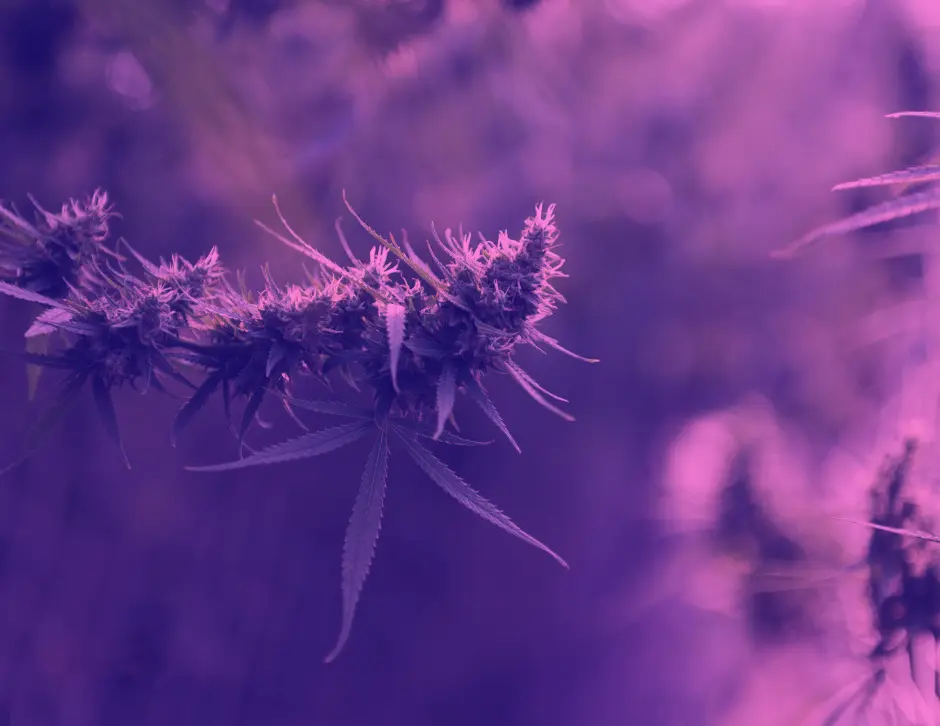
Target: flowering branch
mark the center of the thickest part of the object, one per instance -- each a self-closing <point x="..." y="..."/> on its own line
<point x="415" y="343"/>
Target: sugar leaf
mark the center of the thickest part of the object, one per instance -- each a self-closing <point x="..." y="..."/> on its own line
<point x="446" y="394"/>
<point x="395" y="329"/>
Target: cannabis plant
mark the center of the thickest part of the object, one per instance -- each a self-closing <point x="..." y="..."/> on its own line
<point x="416" y="333"/>
<point x="904" y="205"/>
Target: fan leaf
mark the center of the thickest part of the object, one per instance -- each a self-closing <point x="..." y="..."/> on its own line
<point x="466" y="495"/>
<point x="21" y="294"/>
<point x="332" y="408"/>
<point x="302" y="447"/>
<point x="479" y="396"/>
<point x="362" y="535"/>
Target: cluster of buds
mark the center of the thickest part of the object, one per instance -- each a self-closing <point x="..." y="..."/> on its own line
<point x="417" y="334"/>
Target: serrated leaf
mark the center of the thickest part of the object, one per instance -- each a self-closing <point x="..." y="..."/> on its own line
<point x="105" y="406"/>
<point x="395" y="330"/>
<point x="35" y="297"/>
<point x="302" y="447"/>
<point x="898" y="208"/>
<point x="553" y="343"/>
<point x="446" y="395"/>
<point x="532" y="388"/>
<point x="333" y="408"/>
<point x="446" y="437"/>
<point x="69" y="394"/>
<point x="40" y="345"/>
<point x="48" y="321"/>
<point x="466" y="495"/>
<point x="161" y="364"/>
<point x="362" y="534"/>
<point x="912" y="175"/>
<point x="479" y="396"/>
<point x="537" y="386"/>
<point x="425" y="347"/>
<point x="195" y="403"/>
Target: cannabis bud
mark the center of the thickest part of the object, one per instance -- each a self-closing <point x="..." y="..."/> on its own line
<point x="417" y="334"/>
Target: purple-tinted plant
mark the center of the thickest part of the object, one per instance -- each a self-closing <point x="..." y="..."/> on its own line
<point x="417" y="341"/>
<point x="924" y="199"/>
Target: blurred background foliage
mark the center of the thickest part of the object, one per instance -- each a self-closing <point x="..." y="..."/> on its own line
<point x="682" y="140"/>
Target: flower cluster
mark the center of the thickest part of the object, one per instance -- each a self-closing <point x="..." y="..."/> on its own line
<point x="415" y="333"/>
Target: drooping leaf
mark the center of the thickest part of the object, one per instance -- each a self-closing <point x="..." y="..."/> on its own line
<point x="530" y="387"/>
<point x="161" y="364"/>
<point x="362" y="535"/>
<point x="48" y="321"/>
<point x="427" y="432"/>
<point x="898" y="208"/>
<point x="275" y="356"/>
<point x="395" y="329"/>
<point x="537" y="386"/>
<point x="250" y="412"/>
<point x="302" y="447"/>
<point x="553" y="343"/>
<point x="917" y="534"/>
<point x="446" y="395"/>
<point x="912" y="175"/>
<point x="195" y="403"/>
<point x="65" y="400"/>
<point x="105" y="406"/>
<point x="34" y="297"/>
<point x="38" y="344"/>
<point x="479" y="396"/>
<point x="333" y="408"/>
<point x="466" y="495"/>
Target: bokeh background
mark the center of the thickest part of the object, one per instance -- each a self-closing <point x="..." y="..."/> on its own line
<point x="683" y="141"/>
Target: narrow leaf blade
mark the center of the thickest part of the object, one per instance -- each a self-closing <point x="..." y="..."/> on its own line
<point x="302" y="447"/>
<point x="21" y="294"/>
<point x="105" y="406"/>
<point x="333" y="408"/>
<point x="912" y="175"/>
<point x="195" y="404"/>
<point x="898" y="208"/>
<point x="532" y="388"/>
<point x="38" y="344"/>
<point x="446" y="395"/>
<point x="65" y="400"/>
<point x="479" y="396"/>
<point x="395" y="329"/>
<point x="466" y="495"/>
<point x="362" y="535"/>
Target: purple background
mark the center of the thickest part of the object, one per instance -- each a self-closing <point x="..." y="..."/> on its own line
<point x="682" y="142"/>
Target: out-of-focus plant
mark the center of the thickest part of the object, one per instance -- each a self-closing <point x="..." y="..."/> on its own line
<point x="904" y="205"/>
<point x="415" y="340"/>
